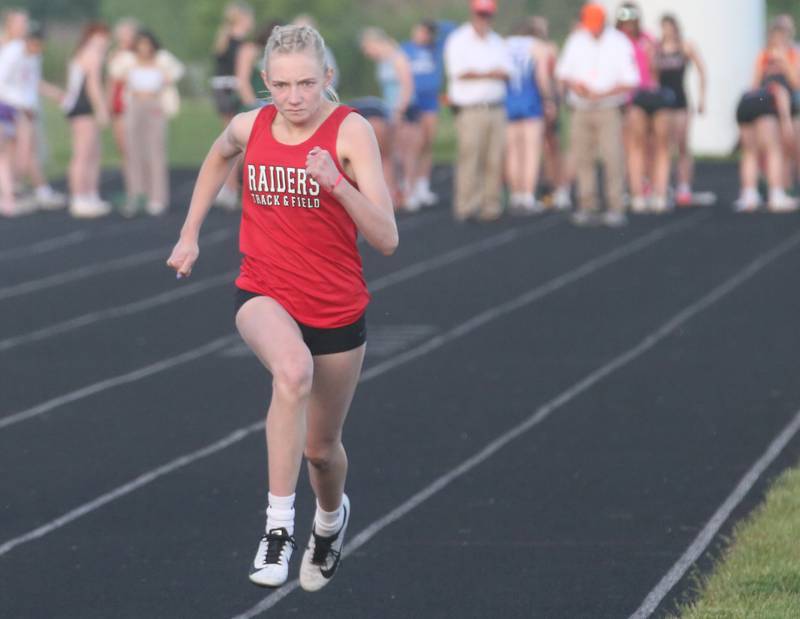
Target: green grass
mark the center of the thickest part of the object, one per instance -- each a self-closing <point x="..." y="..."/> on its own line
<point x="190" y="136"/>
<point x="758" y="576"/>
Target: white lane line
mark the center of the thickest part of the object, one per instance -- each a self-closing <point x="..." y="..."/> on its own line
<point x="150" y="302"/>
<point x="186" y="290"/>
<point x="709" y="532"/>
<point x="544" y="411"/>
<point x="116" y="381"/>
<point x="107" y="266"/>
<point x="379" y="284"/>
<point x="43" y="246"/>
<point x="187" y="459"/>
<point x="119" y="311"/>
<point x="71" y="238"/>
<point x="132" y="485"/>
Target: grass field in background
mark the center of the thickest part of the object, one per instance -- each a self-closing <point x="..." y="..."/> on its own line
<point x="190" y="136"/>
<point x="758" y="576"/>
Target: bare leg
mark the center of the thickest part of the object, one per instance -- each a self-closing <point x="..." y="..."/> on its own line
<point x="82" y="154"/>
<point x="7" y="203"/>
<point x="276" y="340"/>
<point x="663" y="152"/>
<point x="636" y="125"/>
<point x="410" y="148"/>
<point x="429" y="123"/>
<point x="680" y="127"/>
<point x="532" y="155"/>
<point x="748" y="165"/>
<point x="335" y="380"/>
<point x="769" y="140"/>
<point x="513" y="163"/>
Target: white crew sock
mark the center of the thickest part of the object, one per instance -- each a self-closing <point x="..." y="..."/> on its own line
<point x="328" y="523"/>
<point x="423" y="185"/>
<point x="280" y="513"/>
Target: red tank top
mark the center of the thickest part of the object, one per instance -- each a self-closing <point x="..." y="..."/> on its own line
<point x="298" y="242"/>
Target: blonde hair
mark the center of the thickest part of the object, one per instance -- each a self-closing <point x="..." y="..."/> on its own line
<point x="294" y="39"/>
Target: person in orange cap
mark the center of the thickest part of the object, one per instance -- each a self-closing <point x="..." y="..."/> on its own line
<point x="478" y="64"/>
<point x="597" y="68"/>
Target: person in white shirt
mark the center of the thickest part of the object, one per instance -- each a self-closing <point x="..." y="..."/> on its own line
<point x="598" y="69"/>
<point x="147" y="83"/>
<point x="12" y="97"/>
<point x="478" y="64"/>
<point x="29" y="121"/>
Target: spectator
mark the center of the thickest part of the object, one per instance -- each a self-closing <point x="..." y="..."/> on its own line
<point x="673" y="56"/>
<point x="478" y="65"/>
<point x="393" y="73"/>
<point x="557" y="168"/>
<point x="29" y="121"/>
<point x="425" y="61"/>
<point x="119" y="62"/>
<point x="12" y="96"/>
<point x="528" y="94"/>
<point x="238" y="21"/>
<point x="148" y="84"/>
<point x="598" y="69"/>
<point x="250" y="84"/>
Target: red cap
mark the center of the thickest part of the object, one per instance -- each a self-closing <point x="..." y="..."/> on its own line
<point x="483" y="6"/>
<point x="593" y="18"/>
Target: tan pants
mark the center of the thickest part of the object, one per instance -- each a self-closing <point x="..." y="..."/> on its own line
<point x="479" y="169"/>
<point x="598" y="134"/>
<point x="146" y="128"/>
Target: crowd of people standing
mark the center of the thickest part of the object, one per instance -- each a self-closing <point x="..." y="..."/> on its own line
<point x="622" y="90"/>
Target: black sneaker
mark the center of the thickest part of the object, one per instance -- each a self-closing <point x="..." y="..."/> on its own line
<point x="271" y="565"/>
<point x="323" y="555"/>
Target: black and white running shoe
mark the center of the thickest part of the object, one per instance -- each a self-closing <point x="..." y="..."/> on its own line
<point x="271" y="565"/>
<point x="323" y="554"/>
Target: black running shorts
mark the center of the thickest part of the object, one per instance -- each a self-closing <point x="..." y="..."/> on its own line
<point x="320" y="341"/>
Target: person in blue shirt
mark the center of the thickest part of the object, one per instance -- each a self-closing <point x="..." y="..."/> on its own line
<point x="527" y="95"/>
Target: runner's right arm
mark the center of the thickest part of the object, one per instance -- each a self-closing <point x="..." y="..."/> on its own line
<point x="215" y="169"/>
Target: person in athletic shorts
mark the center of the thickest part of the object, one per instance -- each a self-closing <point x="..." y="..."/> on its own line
<point x="30" y="139"/>
<point x="779" y="63"/>
<point x="764" y="115"/>
<point x="236" y="25"/>
<point x="312" y="182"/>
<point x="393" y="74"/>
<point x="527" y="90"/>
<point x="120" y="60"/>
<point x="645" y="122"/>
<point x="12" y="52"/>
<point x="87" y="111"/>
<point x="424" y="57"/>
<point x="672" y="57"/>
<point x="557" y="167"/>
<point x="250" y="86"/>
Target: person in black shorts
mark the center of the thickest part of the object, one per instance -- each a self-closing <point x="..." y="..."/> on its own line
<point x="673" y="55"/>
<point x="229" y="45"/>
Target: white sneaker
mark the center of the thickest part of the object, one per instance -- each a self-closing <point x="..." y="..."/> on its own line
<point x="659" y="204"/>
<point x="614" y="219"/>
<point x="323" y="555"/>
<point x="639" y="204"/>
<point x="561" y="199"/>
<point x="49" y="199"/>
<point x="748" y="202"/>
<point x="780" y="202"/>
<point x="530" y="205"/>
<point x="87" y="208"/>
<point x="412" y="203"/>
<point x="156" y="208"/>
<point x="271" y="564"/>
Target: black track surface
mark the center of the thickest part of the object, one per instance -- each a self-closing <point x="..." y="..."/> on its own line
<point x="579" y="517"/>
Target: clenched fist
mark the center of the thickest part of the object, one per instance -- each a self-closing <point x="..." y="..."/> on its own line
<point x="183" y="257"/>
<point x="320" y="167"/>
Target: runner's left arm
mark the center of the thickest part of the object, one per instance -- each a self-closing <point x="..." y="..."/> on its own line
<point x="369" y="204"/>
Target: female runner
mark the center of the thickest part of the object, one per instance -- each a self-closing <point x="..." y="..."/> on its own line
<point x="312" y="180"/>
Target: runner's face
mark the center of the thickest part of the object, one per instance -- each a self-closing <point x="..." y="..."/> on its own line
<point x="297" y="83"/>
